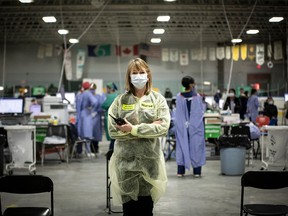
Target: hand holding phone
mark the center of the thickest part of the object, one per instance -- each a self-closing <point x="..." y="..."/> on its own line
<point x="119" y="121"/>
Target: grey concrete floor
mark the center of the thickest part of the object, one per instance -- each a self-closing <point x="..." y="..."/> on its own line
<point x="80" y="189"/>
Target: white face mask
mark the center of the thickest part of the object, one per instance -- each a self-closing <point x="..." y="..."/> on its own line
<point x="139" y="80"/>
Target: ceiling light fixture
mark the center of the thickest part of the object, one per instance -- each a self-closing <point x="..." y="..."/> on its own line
<point x="236" y="40"/>
<point x="252" y="31"/>
<point x="26" y="1"/>
<point x="1" y="88"/>
<point x="158" y="31"/>
<point x="276" y="19"/>
<point x="163" y="18"/>
<point x="155" y="40"/>
<point x="49" y="19"/>
<point x="73" y="40"/>
<point x="169" y="0"/>
<point x="207" y="83"/>
<point x="63" y="31"/>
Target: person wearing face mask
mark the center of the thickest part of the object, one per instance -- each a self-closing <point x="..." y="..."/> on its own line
<point x="97" y="119"/>
<point x="252" y="106"/>
<point x="111" y="94"/>
<point x="232" y="102"/>
<point x="271" y="111"/>
<point x="137" y="166"/>
<point x="190" y="148"/>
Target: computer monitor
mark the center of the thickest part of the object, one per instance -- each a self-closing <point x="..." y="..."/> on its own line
<point x="286" y="97"/>
<point x="35" y="109"/>
<point x="11" y="105"/>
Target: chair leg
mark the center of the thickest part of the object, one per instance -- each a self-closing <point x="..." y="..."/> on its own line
<point x="42" y="154"/>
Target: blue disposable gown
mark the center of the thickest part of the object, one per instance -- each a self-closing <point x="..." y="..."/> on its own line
<point x="86" y="102"/>
<point x="137" y="166"/>
<point x="97" y="118"/>
<point x="190" y="141"/>
<point x="252" y="107"/>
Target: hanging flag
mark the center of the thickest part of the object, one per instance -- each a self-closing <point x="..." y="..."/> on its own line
<point x="243" y="51"/>
<point x="235" y="52"/>
<point x="165" y="54"/>
<point x="251" y="52"/>
<point x="269" y="51"/>
<point x="80" y="63"/>
<point x="41" y="51"/>
<point x="49" y="50"/>
<point x="184" y="58"/>
<point x="212" y="54"/>
<point x="174" y="55"/>
<point x="99" y="50"/>
<point x="278" y="52"/>
<point x="204" y="52"/>
<point x="228" y="52"/>
<point x="150" y="50"/>
<point x="220" y="53"/>
<point x="260" y="52"/>
<point x="68" y="65"/>
<point x="195" y="53"/>
<point x="127" y="51"/>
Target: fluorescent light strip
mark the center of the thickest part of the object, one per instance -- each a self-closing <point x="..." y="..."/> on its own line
<point x="252" y="31"/>
<point x="276" y="19"/>
<point x="63" y="31"/>
<point x="236" y="40"/>
<point x="26" y="1"/>
<point x="73" y="40"/>
<point x="155" y="40"/>
<point x="169" y="0"/>
<point x="163" y="18"/>
<point x="49" y="19"/>
<point x="158" y="31"/>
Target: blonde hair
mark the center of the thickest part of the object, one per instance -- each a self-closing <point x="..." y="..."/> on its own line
<point x="138" y="64"/>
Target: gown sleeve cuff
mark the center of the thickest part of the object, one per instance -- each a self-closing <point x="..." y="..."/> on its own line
<point x="134" y="130"/>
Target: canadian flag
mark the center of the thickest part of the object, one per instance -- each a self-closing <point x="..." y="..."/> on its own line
<point x="127" y="51"/>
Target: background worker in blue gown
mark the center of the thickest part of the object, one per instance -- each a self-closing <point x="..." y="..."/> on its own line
<point x="97" y="113"/>
<point x="252" y="106"/>
<point x="190" y="148"/>
<point x="86" y="102"/>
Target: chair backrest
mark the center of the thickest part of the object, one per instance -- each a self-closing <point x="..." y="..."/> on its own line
<point x="241" y="130"/>
<point x="26" y="184"/>
<point x="57" y="130"/>
<point x="265" y="179"/>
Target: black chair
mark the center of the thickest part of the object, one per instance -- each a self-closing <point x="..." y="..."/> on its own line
<point x="268" y="180"/>
<point x="56" y="140"/>
<point x="27" y="184"/>
<point x="75" y="139"/>
<point x="243" y="130"/>
<point x="108" y="185"/>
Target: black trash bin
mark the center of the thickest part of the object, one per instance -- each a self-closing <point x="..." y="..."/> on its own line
<point x="233" y="153"/>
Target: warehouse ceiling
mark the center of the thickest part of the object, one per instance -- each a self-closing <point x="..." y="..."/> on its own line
<point x="133" y="21"/>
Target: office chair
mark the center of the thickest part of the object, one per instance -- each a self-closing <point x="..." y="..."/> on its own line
<point x="26" y="184"/>
<point x="56" y="140"/>
<point x="266" y="180"/>
<point x="108" y="185"/>
<point x="243" y="130"/>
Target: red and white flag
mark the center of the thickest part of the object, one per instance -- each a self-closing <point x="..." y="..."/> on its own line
<point x="127" y="51"/>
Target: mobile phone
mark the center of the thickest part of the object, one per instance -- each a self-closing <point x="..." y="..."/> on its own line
<point x="119" y="121"/>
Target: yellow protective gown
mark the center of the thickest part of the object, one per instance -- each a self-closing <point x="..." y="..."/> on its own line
<point x="137" y="166"/>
